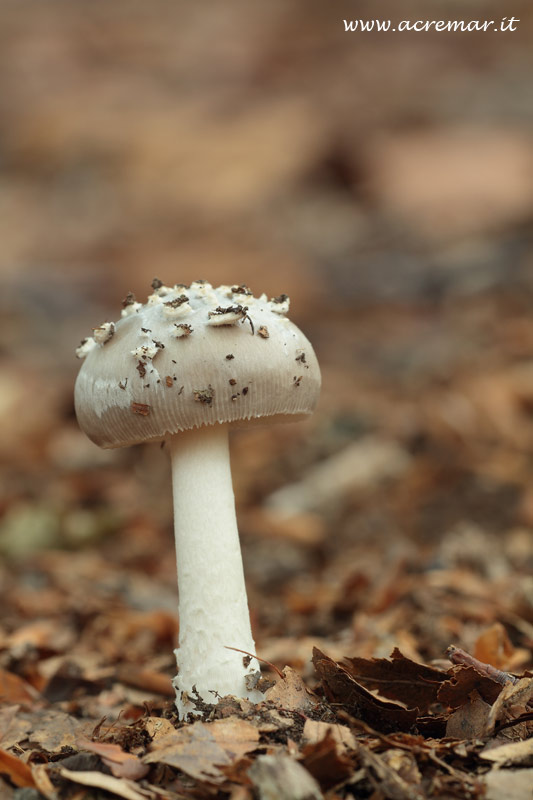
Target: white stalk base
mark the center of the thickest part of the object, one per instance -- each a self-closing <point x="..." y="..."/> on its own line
<point x="213" y="608"/>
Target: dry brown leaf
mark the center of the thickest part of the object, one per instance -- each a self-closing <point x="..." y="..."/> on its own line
<point x="494" y="647"/>
<point x="197" y="749"/>
<point x="403" y="763"/>
<point x="271" y="721"/>
<point x="463" y="680"/>
<point x="119" y="786"/>
<point x="53" y="730"/>
<point x="13" y="728"/>
<point x="315" y="732"/>
<point x="509" y="754"/>
<point x="14" y="689"/>
<point x="512" y="701"/>
<point x="399" y="678"/>
<point x="470" y="720"/>
<point x="147" y="679"/>
<point x="121" y="764"/>
<point x="291" y="693"/>
<point x="341" y="688"/>
<point x="362" y="464"/>
<point x="42" y="781"/>
<point x="512" y="784"/>
<point x="385" y="778"/>
<point x="19" y="772"/>
<point x="158" y="727"/>
<point x="326" y="762"/>
<point x="283" y="778"/>
<point x="43" y="634"/>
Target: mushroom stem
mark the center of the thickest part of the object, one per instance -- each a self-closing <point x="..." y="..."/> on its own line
<point x="213" y="608"/>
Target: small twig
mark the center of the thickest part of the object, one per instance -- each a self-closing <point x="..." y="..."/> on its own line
<point x="263" y="660"/>
<point x="510" y="723"/>
<point x="464" y="659"/>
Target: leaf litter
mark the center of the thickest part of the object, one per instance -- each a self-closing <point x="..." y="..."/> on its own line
<point x="366" y="689"/>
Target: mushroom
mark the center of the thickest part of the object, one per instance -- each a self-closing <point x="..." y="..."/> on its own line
<point x="184" y="368"/>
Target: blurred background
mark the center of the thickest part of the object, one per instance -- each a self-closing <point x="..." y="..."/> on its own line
<point x="384" y="182"/>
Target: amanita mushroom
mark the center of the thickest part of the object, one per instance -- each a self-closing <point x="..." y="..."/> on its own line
<point x="185" y="367"/>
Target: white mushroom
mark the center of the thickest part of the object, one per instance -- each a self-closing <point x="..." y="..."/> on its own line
<point x="211" y="377"/>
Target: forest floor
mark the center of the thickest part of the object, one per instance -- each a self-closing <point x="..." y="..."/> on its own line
<point x="388" y="553"/>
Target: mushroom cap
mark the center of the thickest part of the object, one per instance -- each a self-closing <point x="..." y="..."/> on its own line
<point x="191" y="356"/>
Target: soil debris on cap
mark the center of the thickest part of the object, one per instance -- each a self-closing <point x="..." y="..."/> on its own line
<point x="204" y="396"/>
<point x="182" y="330"/>
<point x="177" y="302"/>
<point x="141" y="368"/>
<point x="242" y="289"/>
<point x="140" y="408"/>
<point x="129" y="300"/>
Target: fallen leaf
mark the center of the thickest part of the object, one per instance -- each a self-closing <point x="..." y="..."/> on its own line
<point x="16" y="770"/>
<point x="42" y="780"/>
<point x="280" y="777"/>
<point x="385" y="778"/>
<point x="53" y="730"/>
<point x="147" y="679"/>
<point x="362" y="464"/>
<point x="13" y="689"/>
<point x="403" y="763"/>
<point x="13" y="729"/>
<point x="512" y="784"/>
<point x="470" y="720"/>
<point x="326" y="762"/>
<point x="271" y="721"/>
<point x="197" y="749"/>
<point x="291" y="693"/>
<point x="494" y="646"/>
<point x="119" y="786"/>
<point x="463" y="680"/>
<point x="315" y="732"/>
<point x="69" y="680"/>
<point x="341" y="688"/>
<point x="509" y="754"/>
<point x="121" y="764"/>
<point x="512" y="701"/>
<point x="158" y="727"/>
<point x="42" y="634"/>
<point x="401" y="679"/>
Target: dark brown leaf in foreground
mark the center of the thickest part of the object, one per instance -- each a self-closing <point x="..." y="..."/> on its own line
<point x="399" y="678"/>
<point x="462" y="682"/>
<point x="342" y="690"/>
<point x="326" y="762"/>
